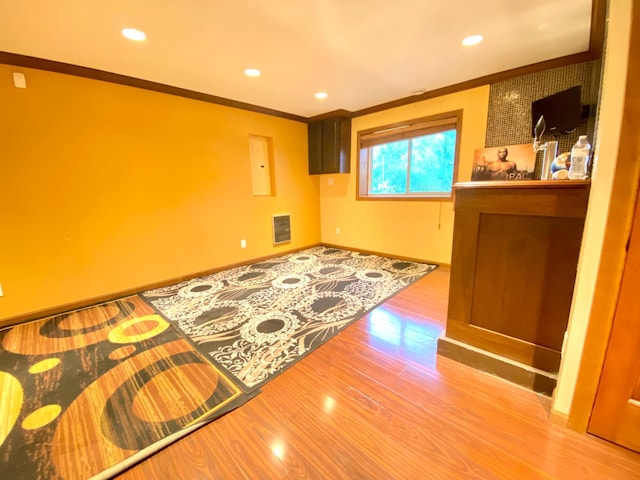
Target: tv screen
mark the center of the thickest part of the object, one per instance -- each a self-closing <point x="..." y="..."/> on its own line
<point x="561" y="111"/>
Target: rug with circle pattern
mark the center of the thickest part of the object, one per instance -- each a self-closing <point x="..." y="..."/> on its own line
<point x="88" y="393"/>
<point x="256" y="320"/>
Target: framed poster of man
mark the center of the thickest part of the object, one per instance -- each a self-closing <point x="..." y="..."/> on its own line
<point x="511" y="162"/>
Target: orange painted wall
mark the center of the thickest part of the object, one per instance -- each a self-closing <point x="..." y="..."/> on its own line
<point x="416" y="229"/>
<point x="105" y="188"/>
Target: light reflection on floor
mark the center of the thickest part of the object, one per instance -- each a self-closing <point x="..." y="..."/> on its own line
<point x="402" y="336"/>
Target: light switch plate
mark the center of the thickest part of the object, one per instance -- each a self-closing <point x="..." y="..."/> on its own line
<point x="19" y="80"/>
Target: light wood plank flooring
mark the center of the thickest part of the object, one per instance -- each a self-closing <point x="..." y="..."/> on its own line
<point x="377" y="402"/>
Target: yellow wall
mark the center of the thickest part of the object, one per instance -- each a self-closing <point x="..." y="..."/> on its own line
<point x="105" y="188"/>
<point x="416" y="229"/>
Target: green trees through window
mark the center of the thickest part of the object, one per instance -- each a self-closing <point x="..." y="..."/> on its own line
<point x="414" y="159"/>
<point x="421" y="165"/>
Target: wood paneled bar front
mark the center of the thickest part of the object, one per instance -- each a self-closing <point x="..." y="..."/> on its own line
<point x="513" y="268"/>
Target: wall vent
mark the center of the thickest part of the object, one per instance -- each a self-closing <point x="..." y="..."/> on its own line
<point x="281" y="228"/>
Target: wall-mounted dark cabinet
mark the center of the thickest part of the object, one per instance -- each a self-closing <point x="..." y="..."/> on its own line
<point x="329" y="145"/>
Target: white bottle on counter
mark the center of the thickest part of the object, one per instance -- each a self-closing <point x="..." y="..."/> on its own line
<point x="580" y="159"/>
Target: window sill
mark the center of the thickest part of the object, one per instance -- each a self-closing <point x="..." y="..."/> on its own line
<point x="410" y="198"/>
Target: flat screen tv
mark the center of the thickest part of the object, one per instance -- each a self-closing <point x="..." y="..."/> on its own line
<point x="562" y="111"/>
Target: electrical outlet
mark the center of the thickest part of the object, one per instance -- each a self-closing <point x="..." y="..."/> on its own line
<point x="243" y="244"/>
<point x="337" y="230"/>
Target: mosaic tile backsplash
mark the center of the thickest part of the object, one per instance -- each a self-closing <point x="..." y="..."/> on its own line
<point x="509" y="119"/>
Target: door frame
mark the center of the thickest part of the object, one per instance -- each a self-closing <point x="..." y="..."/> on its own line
<point x="614" y="247"/>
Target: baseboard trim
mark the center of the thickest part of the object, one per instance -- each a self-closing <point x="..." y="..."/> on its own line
<point x="89" y="302"/>
<point x="558" y="418"/>
<point x="524" y="375"/>
<point x="383" y="254"/>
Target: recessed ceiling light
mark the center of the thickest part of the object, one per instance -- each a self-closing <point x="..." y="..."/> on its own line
<point x="133" y="34"/>
<point x="472" y="40"/>
<point x="420" y="91"/>
<point x="252" y="72"/>
<point x="321" y="95"/>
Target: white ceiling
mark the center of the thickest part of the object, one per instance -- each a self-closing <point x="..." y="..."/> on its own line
<point x="361" y="52"/>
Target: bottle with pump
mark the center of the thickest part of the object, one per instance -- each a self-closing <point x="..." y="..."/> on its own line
<point x="580" y="159"/>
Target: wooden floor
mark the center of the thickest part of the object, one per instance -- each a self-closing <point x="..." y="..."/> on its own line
<point x="377" y="402"/>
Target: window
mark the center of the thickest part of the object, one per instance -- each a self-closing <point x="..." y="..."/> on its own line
<point x="413" y="159"/>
